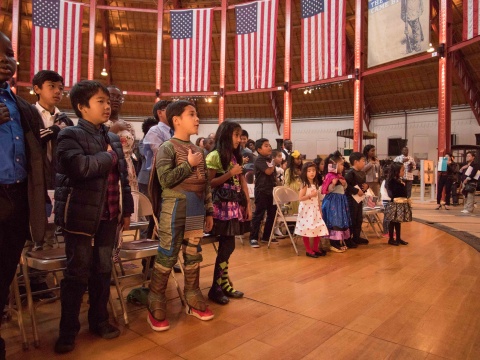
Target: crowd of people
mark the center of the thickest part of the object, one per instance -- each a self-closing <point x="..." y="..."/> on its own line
<point x="194" y="188"/>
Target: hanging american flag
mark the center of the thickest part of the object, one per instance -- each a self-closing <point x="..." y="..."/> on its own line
<point x="255" y="45"/>
<point x="471" y="19"/>
<point x="190" y="45"/>
<point x="57" y="38"/>
<point x="323" y="39"/>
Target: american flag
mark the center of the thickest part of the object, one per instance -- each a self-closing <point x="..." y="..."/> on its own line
<point x="323" y="39"/>
<point x="471" y="19"/>
<point x="57" y="38"/>
<point x="255" y="45"/>
<point x="190" y="45"/>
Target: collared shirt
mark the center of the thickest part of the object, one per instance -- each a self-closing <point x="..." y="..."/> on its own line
<point x="48" y="120"/>
<point x="408" y="174"/>
<point x="155" y="137"/>
<point x="13" y="159"/>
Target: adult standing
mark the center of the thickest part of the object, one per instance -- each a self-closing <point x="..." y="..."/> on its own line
<point x="469" y="183"/>
<point x="410" y="165"/>
<point x="157" y="134"/>
<point x="372" y="168"/>
<point x="445" y="181"/>
<point x="144" y="174"/>
<point x="287" y="149"/>
<point x="124" y="130"/>
<point x="23" y="193"/>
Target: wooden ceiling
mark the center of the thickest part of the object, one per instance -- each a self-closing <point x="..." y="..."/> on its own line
<point x="133" y="53"/>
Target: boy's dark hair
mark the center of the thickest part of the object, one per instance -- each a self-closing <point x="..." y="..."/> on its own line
<point x="259" y="142"/>
<point x="250" y="141"/>
<point x="148" y="123"/>
<point x="303" y="174"/>
<point x="160" y="105"/>
<point x="82" y="92"/>
<point x="471" y="153"/>
<point x="224" y="145"/>
<point x="275" y="153"/>
<point x="355" y="156"/>
<point x="176" y="108"/>
<point x="244" y="133"/>
<point x="197" y="142"/>
<point x="46" y="75"/>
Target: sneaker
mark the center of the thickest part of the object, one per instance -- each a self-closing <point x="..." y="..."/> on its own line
<point x="105" y="330"/>
<point x="465" y="211"/>
<point x="254" y="244"/>
<point x="205" y="315"/>
<point x="65" y="344"/>
<point x="277" y="232"/>
<point x="446" y="207"/>
<point x="337" y="250"/>
<point x="156" y="324"/>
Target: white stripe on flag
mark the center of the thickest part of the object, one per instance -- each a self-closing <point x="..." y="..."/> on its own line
<point x="340" y="38"/>
<point x="68" y="53"/>
<point x="206" y="78"/>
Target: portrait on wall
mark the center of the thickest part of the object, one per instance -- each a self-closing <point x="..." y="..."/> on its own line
<point x="397" y="29"/>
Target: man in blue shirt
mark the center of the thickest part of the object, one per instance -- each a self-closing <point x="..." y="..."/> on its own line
<point x="23" y="193"/>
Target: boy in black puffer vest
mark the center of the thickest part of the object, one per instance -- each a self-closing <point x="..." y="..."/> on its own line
<point x="89" y="204"/>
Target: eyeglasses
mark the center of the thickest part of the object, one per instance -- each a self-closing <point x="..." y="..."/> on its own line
<point x="119" y="99"/>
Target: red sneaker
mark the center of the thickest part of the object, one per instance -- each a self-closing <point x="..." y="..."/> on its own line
<point x="157" y="325"/>
<point x="202" y="315"/>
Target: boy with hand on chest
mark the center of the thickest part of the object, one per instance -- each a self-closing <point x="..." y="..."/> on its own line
<point x="186" y="213"/>
<point x="92" y="197"/>
<point x="356" y="185"/>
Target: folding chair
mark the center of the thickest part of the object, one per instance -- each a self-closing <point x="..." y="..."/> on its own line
<point x="281" y="196"/>
<point x="137" y="250"/>
<point x="370" y="215"/>
<point x="15" y="307"/>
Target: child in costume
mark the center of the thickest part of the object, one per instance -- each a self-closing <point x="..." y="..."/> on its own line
<point x="231" y="205"/>
<point x="309" y="221"/>
<point x="186" y="211"/>
<point x="335" y="210"/>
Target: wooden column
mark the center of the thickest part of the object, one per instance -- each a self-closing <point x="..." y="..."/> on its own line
<point x="91" y="40"/>
<point x="444" y="77"/>
<point x="287" y="95"/>
<point x="15" y="27"/>
<point x="223" y="62"/>
<point x="158" y="64"/>
<point x="358" y="98"/>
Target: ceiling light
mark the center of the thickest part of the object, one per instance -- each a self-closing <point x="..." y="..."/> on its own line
<point x="430" y="48"/>
<point x="104" y="72"/>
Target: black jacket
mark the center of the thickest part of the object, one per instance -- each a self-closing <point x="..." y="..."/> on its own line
<point x="396" y="189"/>
<point x="353" y="178"/>
<point x="37" y="191"/>
<point x="81" y="181"/>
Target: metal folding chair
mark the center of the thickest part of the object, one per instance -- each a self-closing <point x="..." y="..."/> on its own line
<point x="281" y="196"/>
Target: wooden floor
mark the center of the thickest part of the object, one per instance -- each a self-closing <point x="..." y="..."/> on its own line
<point x="419" y="301"/>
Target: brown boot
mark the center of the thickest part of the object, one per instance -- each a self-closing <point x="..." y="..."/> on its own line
<point x="157" y="302"/>
<point x="196" y="304"/>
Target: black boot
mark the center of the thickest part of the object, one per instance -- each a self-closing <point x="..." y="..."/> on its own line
<point x="216" y="292"/>
<point x="392" y="242"/>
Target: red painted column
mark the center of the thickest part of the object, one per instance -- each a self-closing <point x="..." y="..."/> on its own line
<point x="91" y="40"/>
<point x="158" y="64"/>
<point x="287" y="96"/>
<point x="444" y="78"/>
<point x="358" y="84"/>
<point x="15" y="27"/>
<point x="223" y="62"/>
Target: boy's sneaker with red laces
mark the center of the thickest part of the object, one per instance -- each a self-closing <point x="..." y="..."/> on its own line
<point x="156" y="324"/>
<point x="202" y="315"/>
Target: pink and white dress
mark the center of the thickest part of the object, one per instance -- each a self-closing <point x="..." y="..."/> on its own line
<point x="309" y="220"/>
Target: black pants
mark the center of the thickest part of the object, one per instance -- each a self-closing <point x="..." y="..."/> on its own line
<point x="356" y="214"/>
<point x="408" y="187"/>
<point x="13" y="233"/>
<point x="90" y="266"/>
<point x="226" y="246"/>
<point x="444" y="182"/>
<point x="394" y="226"/>
<point x="263" y="202"/>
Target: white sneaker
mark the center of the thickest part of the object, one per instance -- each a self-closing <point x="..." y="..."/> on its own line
<point x="334" y="249"/>
<point x="277" y="232"/>
<point x="465" y="211"/>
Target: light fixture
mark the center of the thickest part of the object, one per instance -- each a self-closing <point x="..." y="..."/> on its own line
<point x="32" y="92"/>
<point x="210" y="100"/>
<point x="305" y="91"/>
<point x="18" y="63"/>
<point x="430" y="49"/>
<point x="104" y="72"/>
<point x="310" y="91"/>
